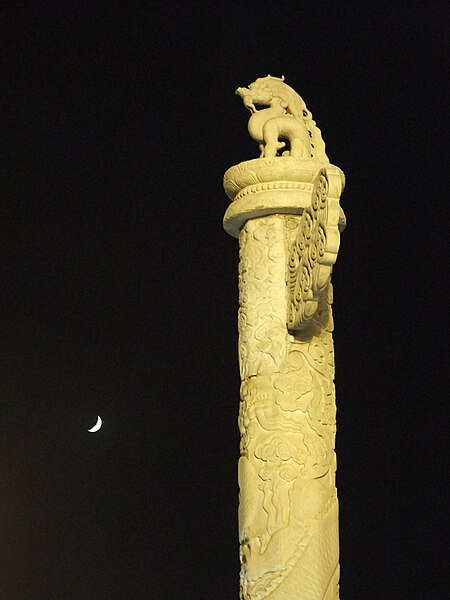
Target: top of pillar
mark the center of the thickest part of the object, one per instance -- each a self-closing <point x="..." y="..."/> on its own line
<point x="280" y="121"/>
<point x="292" y="155"/>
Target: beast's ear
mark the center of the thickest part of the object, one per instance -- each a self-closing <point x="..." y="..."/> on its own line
<point x="284" y="103"/>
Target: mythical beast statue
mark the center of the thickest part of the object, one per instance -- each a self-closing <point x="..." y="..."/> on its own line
<point x="278" y="113"/>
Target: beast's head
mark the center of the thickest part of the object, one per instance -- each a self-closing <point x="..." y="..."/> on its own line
<point x="259" y="92"/>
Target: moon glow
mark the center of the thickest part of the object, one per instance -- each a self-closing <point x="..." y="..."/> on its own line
<point x="97" y="425"/>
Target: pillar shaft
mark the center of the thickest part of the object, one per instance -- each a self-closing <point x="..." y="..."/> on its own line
<point x="288" y="502"/>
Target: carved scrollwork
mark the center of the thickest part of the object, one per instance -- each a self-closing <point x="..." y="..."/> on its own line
<point x="312" y="256"/>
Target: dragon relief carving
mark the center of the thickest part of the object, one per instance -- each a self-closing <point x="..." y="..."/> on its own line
<point x="279" y="114"/>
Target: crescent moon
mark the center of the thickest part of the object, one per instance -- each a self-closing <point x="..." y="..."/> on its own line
<point x="96" y="426"/>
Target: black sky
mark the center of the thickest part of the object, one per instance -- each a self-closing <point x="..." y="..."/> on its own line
<point x="119" y="290"/>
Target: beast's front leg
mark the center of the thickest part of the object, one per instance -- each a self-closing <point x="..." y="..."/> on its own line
<point x="272" y="147"/>
<point x="270" y="136"/>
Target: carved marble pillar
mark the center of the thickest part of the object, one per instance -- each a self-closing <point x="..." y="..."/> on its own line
<point x="285" y="212"/>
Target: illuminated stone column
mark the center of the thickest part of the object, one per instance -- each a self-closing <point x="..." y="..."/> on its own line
<point x="285" y="212"/>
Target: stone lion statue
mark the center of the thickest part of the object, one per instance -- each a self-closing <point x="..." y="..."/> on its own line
<point x="279" y="113"/>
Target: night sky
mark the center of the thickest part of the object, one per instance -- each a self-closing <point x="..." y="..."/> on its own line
<point x="118" y="291"/>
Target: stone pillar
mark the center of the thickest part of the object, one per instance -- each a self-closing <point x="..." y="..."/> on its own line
<point x="285" y="212"/>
